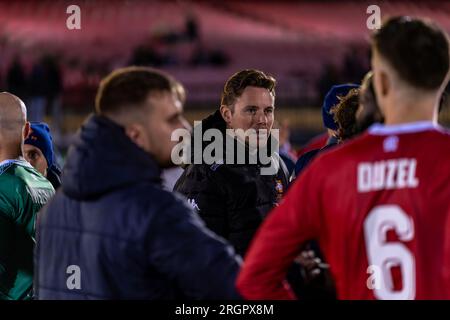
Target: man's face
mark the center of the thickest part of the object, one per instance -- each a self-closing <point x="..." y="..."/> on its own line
<point x="164" y="117"/>
<point x="254" y="109"/>
<point x="36" y="158"/>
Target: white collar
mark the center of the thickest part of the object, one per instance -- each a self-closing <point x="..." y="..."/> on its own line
<point x="411" y="127"/>
<point x="20" y="160"/>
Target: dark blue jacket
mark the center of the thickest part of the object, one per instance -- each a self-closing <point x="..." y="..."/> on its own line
<point x="309" y="156"/>
<point x="113" y="226"/>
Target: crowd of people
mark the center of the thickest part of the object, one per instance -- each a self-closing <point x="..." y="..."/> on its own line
<point x="40" y="88"/>
<point x="363" y="216"/>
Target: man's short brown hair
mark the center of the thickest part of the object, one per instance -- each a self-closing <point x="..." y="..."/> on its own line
<point x="418" y="51"/>
<point x="236" y="84"/>
<point x="128" y="88"/>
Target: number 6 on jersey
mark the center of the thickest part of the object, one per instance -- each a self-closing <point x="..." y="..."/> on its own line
<point x="383" y="255"/>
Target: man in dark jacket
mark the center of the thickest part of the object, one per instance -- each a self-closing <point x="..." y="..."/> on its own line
<point x="111" y="231"/>
<point x="233" y="199"/>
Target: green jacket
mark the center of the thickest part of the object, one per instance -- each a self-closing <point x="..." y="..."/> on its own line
<point x="23" y="191"/>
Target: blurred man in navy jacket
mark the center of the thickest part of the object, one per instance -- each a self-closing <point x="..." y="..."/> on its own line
<point x="112" y="232"/>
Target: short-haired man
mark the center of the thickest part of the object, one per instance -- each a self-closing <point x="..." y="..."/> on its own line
<point x="234" y="198"/>
<point x="382" y="218"/>
<point x="111" y="231"/>
<point x="23" y="191"/>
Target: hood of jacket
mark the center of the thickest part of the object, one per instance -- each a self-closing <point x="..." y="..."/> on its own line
<point x="214" y="121"/>
<point x="102" y="159"/>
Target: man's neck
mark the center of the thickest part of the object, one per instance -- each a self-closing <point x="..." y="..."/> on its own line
<point x="407" y="110"/>
<point x="399" y="119"/>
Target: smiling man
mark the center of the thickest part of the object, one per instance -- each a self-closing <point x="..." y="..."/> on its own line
<point x="233" y="199"/>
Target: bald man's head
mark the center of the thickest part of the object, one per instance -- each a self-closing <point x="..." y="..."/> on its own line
<point x="13" y="119"/>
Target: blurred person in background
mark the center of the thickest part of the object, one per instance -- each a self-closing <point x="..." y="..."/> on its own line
<point x="16" y="79"/>
<point x="171" y="175"/>
<point x="331" y="100"/>
<point x="344" y="114"/>
<point x="354" y="66"/>
<point x="329" y="76"/>
<point x="53" y="91"/>
<point x="349" y="116"/>
<point x="37" y="90"/>
<point x="23" y="192"/>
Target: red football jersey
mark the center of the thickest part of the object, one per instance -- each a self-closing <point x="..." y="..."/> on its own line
<point x="378" y="206"/>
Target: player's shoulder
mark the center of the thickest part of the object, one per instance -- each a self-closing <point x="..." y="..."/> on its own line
<point x="421" y="135"/>
<point x="439" y="142"/>
<point x="20" y="178"/>
<point x="12" y="188"/>
<point x="441" y="133"/>
<point x="10" y="175"/>
<point x="25" y="175"/>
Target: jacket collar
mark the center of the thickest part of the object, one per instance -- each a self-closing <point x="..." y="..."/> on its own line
<point x="103" y="158"/>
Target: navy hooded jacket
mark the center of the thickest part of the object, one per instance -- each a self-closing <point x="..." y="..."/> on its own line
<point x="112" y="232"/>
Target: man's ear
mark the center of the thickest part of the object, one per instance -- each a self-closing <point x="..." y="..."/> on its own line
<point x="226" y="113"/>
<point x="136" y="133"/>
<point x="26" y="130"/>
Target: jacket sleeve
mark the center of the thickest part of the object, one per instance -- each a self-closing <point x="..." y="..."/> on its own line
<point x="278" y="241"/>
<point x="201" y="264"/>
<point x="206" y="196"/>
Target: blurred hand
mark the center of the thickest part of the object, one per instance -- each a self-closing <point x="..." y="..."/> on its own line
<point x="312" y="265"/>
